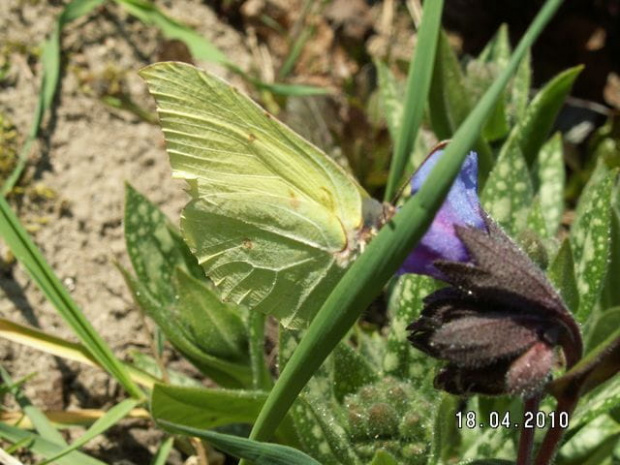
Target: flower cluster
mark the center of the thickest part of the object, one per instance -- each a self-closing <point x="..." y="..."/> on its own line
<point x="498" y="322"/>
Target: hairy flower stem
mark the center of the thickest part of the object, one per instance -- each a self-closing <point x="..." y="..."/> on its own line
<point x="550" y="444"/>
<point x="526" y="440"/>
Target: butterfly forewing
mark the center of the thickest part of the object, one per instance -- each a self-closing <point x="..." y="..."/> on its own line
<point x="273" y="220"/>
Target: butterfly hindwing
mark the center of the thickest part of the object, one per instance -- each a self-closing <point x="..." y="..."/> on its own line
<point x="273" y="220"/>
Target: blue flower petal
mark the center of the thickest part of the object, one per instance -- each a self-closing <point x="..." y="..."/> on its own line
<point x="461" y="207"/>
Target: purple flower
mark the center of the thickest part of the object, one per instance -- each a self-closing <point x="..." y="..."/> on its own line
<point x="498" y="323"/>
<point x="461" y="207"/>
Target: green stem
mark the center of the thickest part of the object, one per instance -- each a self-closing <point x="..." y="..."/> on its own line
<point x="261" y="380"/>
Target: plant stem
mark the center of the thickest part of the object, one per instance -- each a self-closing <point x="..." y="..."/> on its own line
<point x="550" y="444"/>
<point x="260" y="374"/>
<point x="526" y="441"/>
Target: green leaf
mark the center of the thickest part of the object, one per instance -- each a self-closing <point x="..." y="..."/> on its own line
<point x="487" y="462"/>
<point x="42" y="274"/>
<point x="287" y="343"/>
<point x="589" y="237"/>
<point x="148" y="364"/>
<point x="603" y="400"/>
<point x="351" y="371"/>
<point x="41" y="423"/>
<point x="257" y="452"/>
<point x="549" y="179"/>
<point x="602" y="327"/>
<point x="286" y="90"/>
<point x="383" y="458"/>
<point x="224" y="372"/>
<point x="446" y="435"/>
<point x="109" y="419"/>
<point x="480" y="75"/>
<point x="532" y="131"/>
<point x="210" y="408"/>
<point x="273" y="221"/>
<point x="449" y="103"/>
<point x="172" y="289"/>
<point x="497" y="50"/>
<point x="320" y="433"/>
<point x="519" y="96"/>
<point x="391" y="93"/>
<point x="161" y="457"/>
<point x="419" y="80"/>
<point x="155" y="248"/>
<point x="593" y="444"/>
<point x="561" y="273"/>
<point x="404" y="307"/>
<point x="610" y="294"/>
<point x="508" y="193"/>
<point x="215" y="327"/>
<point x="261" y="376"/>
<point x="535" y="221"/>
<point x="59" y="347"/>
<point x="38" y="445"/>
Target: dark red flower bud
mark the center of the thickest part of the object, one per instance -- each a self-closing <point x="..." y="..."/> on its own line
<point x="498" y="323"/>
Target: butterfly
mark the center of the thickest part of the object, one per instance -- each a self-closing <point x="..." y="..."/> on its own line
<point x="273" y="220"/>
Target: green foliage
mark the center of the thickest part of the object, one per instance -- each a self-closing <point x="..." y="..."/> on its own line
<point x="39" y="445"/>
<point x="590" y="238"/>
<point x="171" y="288"/>
<point x="400" y="358"/>
<point x="390" y="90"/>
<point x="508" y="193"/>
<point x="549" y="179"/>
<point x="449" y="102"/>
<point x="419" y="81"/>
<point x="562" y="275"/>
<point x="209" y="408"/>
<point x="111" y="418"/>
<point x="258" y="453"/>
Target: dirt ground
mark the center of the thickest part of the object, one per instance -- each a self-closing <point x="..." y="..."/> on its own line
<point x="87" y="153"/>
<point x="74" y="187"/>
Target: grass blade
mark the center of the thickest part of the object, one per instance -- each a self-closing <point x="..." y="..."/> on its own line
<point x="418" y="85"/>
<point x="46" y="448"/>
<point x="7" y="459"/>
<point x="36" y="416"/>
<point x="161" y="457"/>
<point x="199" y="47"/>
<point x="29" y="255"/>
<point x="202" y="49"/>
<point x="259" y="453"/>
<point x="111" y="417"/>
<point x="50" y="59"/>
<point x="59" y="347"/>
<point x="364" y="280"/>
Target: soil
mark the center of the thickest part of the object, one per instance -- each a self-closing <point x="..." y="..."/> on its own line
<point x="71" y="198"/>
<point x="86" y="154"/>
